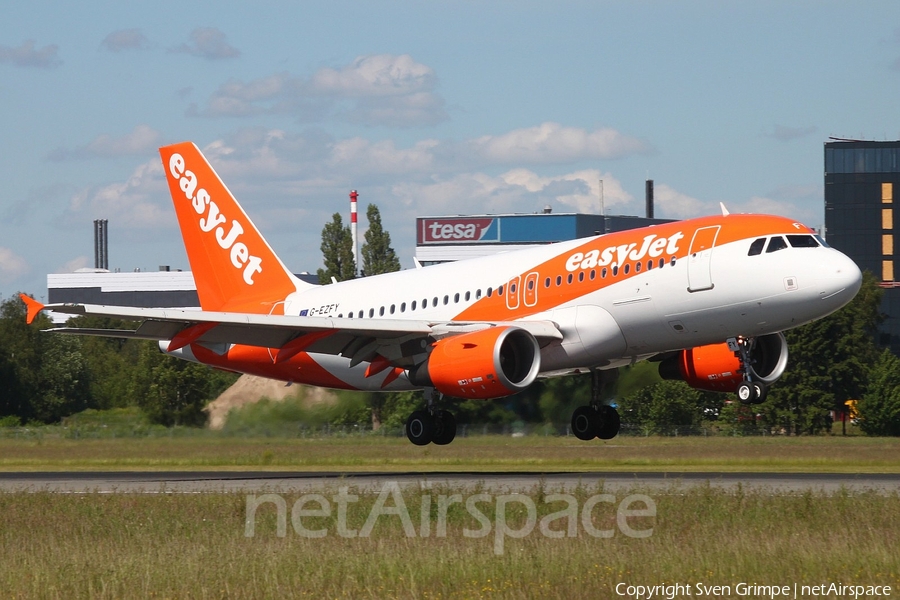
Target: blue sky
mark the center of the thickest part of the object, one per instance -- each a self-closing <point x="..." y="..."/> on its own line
<point x="426" y="108"/>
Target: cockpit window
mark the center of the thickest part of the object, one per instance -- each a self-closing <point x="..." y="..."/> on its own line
<point x="756" y="247"/>
<point x="802" y="241"/>
<point x="822" y="241"/>
<point x="775" y="244"/>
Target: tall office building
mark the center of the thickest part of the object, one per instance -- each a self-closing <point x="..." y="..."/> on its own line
<point x="862" y="181"/>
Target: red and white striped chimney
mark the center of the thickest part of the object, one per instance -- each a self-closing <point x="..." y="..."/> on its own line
<point x="353" y="197"/>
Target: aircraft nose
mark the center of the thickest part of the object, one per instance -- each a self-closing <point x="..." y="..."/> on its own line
<point x="843" y="280"/>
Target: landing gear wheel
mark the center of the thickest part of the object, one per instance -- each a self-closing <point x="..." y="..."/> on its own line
<point x="420" y="428"/>
<point x="444" y="427"/>
<point x="760" y="392"/>
<point x="585" y="423"/>
<point x="746" y="392"/>
<point x="609" y="422"/>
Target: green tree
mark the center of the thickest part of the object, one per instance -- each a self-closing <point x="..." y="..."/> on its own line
<point x="337" y="252"/>
<point x="879" y="408"/>
<point x="64" y="379"/>
<point x="112" y="362"/>
<point x="172" y="391"/>
<point x="663" y="408"/>
<point x="377" y="255"/>
<point x="829" y="364"/>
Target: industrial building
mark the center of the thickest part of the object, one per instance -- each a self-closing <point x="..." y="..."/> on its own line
<point x="451" y="238"/>
<point x="862" y="180"/>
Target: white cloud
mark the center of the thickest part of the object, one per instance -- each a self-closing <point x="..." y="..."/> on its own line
<point x="125" y="39"/>
<point x="375" y="75"/>
<point x="79" y="262"/>
<point x="553" y="143"/>
<point x="518" y="190"/>
<point x="672" y="204"/>
<point x="12" y="266"/>
<point x="141" y="140"/>
<point x="209" y="43"/>
<point x="27" y="55"/>
<point x="373" y="90"/>
<point x="140" y="203"/>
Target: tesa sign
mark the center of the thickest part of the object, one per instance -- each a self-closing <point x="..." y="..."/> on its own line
<point x="457" y="231"/>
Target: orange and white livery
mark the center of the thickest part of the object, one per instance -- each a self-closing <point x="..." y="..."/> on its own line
<point x="708" y="298"/>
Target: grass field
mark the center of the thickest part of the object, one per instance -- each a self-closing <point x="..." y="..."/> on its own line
<point x="195" y="546"/>
<point x="206" y="450"/>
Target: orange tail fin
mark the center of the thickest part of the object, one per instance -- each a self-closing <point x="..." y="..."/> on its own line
<point x="234" y="268"/>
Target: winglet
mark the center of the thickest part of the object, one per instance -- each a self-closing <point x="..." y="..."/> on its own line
<point x="725" y="212"/>
<point x="34" y="308"/>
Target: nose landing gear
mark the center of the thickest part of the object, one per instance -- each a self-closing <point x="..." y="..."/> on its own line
<point x="748" y="391"/>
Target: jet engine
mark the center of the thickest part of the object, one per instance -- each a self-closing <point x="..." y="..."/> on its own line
<point x="490" y="363"/>
<point x="717" y="368"/>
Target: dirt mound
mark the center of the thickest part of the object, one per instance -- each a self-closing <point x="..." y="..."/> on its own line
<point x="249" y="389"/>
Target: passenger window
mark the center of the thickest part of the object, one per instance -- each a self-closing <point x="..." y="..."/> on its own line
<point x="478" y="293"/>
<point x="558" y="280"/>
<point x="802" y="241"/>
<point x="662" y="263"/>
<point x="603" y="273"/>
<point x="637" y="267"/>
<point x="615" y="270"/>
<point x="490" y="292"/>
<point x="757" y="247"/>
<point x="381" y="312"/>
<point x="456" y="297"/>
<point x="371" y="312"/>
<point x="531" y="284"/>
<point x="413" y="305"/>
<point x="500" y="290"/>
<point x="673" y="261"/>
<point x="581" y="276"/>
<point x="775" y="244"/>
<point x="468" y="295"/>
<point x="593" y="274"/>
<point x="569" y="278"/>
<point x="392" y="308"/>
<point x="649" y="264"/>
<point x="627" y="268"/>
<point x="446" y="300"/>
<point x="547" y="282"/>
<point x="434" y="301"/>
<point x="360" y="315"/>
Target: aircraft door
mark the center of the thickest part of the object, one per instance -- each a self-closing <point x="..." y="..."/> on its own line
<point x="513" y="292"/>
<point x="531" y="289"/>
<point x="702" y="244"/>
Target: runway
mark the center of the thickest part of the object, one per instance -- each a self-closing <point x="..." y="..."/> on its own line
<point x="151" y="482"/>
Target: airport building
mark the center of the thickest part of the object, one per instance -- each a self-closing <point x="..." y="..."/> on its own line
<point x="862" y="181"/>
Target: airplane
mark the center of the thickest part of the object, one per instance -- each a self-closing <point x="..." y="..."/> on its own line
<point x="707" y="298"/>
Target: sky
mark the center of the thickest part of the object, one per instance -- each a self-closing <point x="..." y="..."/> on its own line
<point x="425" y="108"/>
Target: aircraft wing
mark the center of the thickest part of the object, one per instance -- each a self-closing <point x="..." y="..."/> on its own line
<point x="358" y="339"/>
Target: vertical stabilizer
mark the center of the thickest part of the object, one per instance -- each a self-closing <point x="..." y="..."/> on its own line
<point x="234" y="268"/>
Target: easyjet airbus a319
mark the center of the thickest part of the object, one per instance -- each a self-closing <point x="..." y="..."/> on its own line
<point x="708" y="298"/>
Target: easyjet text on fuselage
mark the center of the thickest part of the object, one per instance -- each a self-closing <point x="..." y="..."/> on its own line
<point x="652" y="246"/>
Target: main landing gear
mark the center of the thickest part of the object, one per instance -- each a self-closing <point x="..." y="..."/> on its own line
<point x="431" y="425"/>
<point x="748" y="391"/>
<point x="596" y="420"/>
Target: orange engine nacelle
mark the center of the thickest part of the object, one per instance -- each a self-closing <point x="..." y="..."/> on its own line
<point x="490" y="363"/>
<point x="716" y="368"/>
